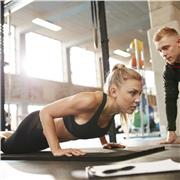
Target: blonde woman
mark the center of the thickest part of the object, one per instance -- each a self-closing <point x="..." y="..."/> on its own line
<point x="81" y="116"/>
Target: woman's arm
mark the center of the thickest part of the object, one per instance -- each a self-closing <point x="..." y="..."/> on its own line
<point x="103" y="140"/>
<point x="107" y="145"/>
<point x="50" y="132"/>
<point x="66" y="106"/>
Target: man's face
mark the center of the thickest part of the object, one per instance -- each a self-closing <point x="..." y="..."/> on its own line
<point x="169" y="48"/>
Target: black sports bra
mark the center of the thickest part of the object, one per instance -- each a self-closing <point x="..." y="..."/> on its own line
<point x="89" y="129"/>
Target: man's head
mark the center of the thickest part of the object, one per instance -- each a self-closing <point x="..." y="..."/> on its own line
<point x="167" y="42"/>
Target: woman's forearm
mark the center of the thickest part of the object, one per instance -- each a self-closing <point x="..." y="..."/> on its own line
<point x="103" y="140"/>
<point x="49" y="131"/>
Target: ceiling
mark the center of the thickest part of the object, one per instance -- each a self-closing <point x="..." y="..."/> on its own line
<point x="126" y="20"/>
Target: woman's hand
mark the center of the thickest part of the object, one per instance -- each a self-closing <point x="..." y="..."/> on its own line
<point x="68" y="152"/>
<point x="113" y="145"/>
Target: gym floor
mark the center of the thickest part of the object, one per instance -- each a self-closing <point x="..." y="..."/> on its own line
<point x="72" y="170"/>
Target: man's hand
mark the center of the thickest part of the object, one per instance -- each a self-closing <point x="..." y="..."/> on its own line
<point x="68" y="152"/>
<point x="171" y="136"/>
<point x="113" y="145"/>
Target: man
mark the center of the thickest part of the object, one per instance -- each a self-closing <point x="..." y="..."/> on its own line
<point x="167" y="42"/>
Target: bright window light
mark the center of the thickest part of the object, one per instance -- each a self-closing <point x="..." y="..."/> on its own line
<point x="9" y="49"/>
<point x="32" y="108"/>
<point x="12" y="117"/>
<point x="149" y="76"/>
<point x="121" y="53"/>
<point x="83" y="67"/>
<point x="113" y="62"/>
<point x="46" y="24"/>
<point x="43" y="57"/>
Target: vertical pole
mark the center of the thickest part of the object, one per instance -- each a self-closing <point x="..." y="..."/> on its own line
<point x="2" y="91"/>
<point x="137" y="55"/>
<point x="146" y="98"/>
<point x="104" y="36"/>
<point x="105" y="54"/>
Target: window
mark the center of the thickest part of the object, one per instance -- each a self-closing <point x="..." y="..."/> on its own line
<point x="9" y="49"/>
<point x="150" y="82"/>
<point x="11" y="115"/>
<point x="83" y="67"/>
<point x="32" y="108"/>
<point x="113" y="62"/>
<point x="43" y="57"/>
<point x="149" y="76"/>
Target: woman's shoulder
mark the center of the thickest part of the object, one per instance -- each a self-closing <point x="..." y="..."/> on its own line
<point x="89" y="99"/>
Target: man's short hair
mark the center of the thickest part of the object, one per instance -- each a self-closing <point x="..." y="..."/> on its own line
<point x="165" y="31"/>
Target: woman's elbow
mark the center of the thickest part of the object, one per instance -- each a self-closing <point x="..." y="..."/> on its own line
<point x="43" y="114"/>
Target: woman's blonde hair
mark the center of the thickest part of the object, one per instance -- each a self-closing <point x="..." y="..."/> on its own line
<point x="119" y="74"/>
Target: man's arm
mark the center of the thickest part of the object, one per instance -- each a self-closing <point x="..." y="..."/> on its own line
<point x="171" y="96"/>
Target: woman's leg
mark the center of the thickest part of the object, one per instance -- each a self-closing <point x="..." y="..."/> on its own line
<point x="27" y="138"/>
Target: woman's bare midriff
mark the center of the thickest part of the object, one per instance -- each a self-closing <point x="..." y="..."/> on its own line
<point x="61" y="131"/>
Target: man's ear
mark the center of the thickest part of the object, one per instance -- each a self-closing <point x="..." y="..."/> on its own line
<point x="113" y="91"/>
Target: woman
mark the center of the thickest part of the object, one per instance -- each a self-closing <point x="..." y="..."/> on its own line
<point x="81" y="116"/>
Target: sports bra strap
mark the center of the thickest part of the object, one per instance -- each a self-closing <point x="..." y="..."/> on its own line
<point x="95" y="117"/>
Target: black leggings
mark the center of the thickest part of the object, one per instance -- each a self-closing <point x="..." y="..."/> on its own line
<point x="27" y="138"/>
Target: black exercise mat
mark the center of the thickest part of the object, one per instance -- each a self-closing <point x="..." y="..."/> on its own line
<point x="111" y="155"/>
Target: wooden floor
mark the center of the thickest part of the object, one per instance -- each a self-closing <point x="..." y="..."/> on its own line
<point x="62" y="170"/>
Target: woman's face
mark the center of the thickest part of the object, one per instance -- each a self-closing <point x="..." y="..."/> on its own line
<point x="128" y="96"/>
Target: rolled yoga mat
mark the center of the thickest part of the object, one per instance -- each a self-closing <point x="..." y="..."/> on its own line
<point x="95" y="154"/>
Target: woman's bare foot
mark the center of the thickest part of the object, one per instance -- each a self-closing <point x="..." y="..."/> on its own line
<point x="6" y="134"/>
